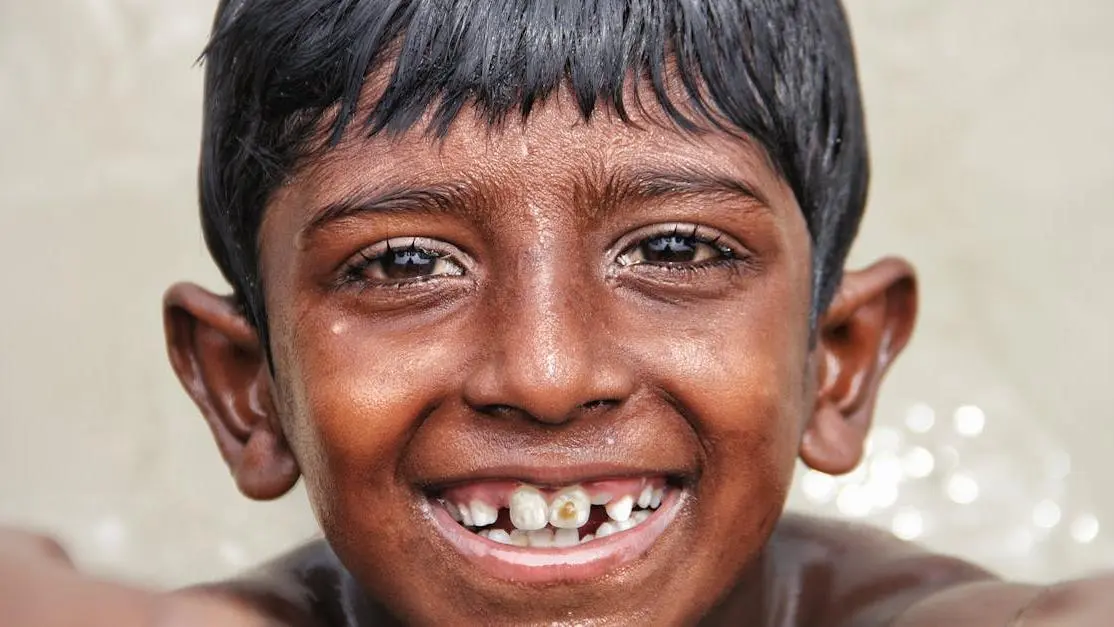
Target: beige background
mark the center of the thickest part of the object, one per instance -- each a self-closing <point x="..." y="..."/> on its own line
<point x="993" y="132"/>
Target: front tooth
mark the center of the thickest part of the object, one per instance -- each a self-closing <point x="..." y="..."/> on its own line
<point x="655" y="499"/>
<point x="601" y="498"/>
<point x="570" y="508"/>
<point x="519" y="538"/>
<point x="528" y="508"/>
<point x="540" y="538"/>
<point x="644" y="498"/>
<point x="605" y="529"/>
<point x="465" y="515"/>
<point x="483" y="514"/>
<point x="500" y="536"/>
<point x="566" y="537"/>
<point x="619" y="509"/>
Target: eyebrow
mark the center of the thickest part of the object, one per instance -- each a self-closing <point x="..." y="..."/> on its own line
<point x="447" y="197"/>
<point x="653" y="182"/>
<point x="643" y="183"/>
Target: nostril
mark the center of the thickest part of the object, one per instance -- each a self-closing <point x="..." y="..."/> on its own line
<point x="599" y="404"/>
<point x="498" y="410"/>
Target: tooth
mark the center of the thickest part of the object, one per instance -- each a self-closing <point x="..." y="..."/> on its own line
<point x="601" y="499"/>
<point x="519" y="538"/>
<point x="540" y="538"/>
<point x="655" y="499"/>
<point x="587" y="538"/>
<point x="500" y="536"/>
<point x="483" y="534"/>
<point x="605" y="530"/>
<point x="640" y="516"/>
<point x="644" y="498"/>
<point x="619" y="509"/>
<point x="570" y="508"/>
<point x="626" y="524"/>
<point x="528" y="508"/>
<point x="483" y="514"/>
<point x="566" y="537"/>
<point x="453" y="510"/>
<point x="465" y="515"/>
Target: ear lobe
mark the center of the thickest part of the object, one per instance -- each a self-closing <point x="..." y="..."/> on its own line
<point x="217" y="357"/>
<point x="866" y="326"/>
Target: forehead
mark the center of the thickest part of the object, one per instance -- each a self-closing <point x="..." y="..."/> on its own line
<point x="553" y="150"/>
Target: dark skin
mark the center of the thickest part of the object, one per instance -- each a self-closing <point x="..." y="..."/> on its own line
<point x="546" y="338"/>
<point x="545" y="343"/>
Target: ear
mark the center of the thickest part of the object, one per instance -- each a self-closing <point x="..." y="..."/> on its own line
<point x="866" y="326"/>
<point x="218" y="358"/>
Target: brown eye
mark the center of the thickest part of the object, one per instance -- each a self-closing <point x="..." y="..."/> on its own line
<point x="674" y="248"/>
<point x="405" y="264"/>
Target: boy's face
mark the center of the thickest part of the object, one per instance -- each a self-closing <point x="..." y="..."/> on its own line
<point x="556" y="304"/>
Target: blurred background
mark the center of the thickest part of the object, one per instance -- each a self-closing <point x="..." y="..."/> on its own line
<point x="993" y="143"/>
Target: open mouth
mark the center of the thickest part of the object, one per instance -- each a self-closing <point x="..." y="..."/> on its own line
<point x="525" y="532"/>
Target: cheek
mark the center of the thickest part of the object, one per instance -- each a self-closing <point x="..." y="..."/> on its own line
<point x="352" y="404"/>
<point x="740" y="375"/>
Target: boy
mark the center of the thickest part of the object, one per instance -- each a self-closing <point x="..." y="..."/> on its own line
<point x="543" y="299"/>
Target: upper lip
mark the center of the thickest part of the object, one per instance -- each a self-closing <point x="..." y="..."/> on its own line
<point x="554" y="476"/>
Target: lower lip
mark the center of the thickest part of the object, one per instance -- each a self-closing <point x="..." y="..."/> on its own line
<point x="573" y="564"/>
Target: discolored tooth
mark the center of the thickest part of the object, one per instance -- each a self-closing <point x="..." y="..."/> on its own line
<point x="500" y="536"/>
<point x="483" y="514"/>
<point x="587" y="538"/>
<point x="528" y="508"/>
<point x="570" y="508"/>
<point x="540" y="538"/>
<point x="645" y="496"/>
<point x="519" y="538"/>
<point x="453" y="510"/>
<point x="619" y="509"/>
<point x="655" y="499"/>
<point x="601" y="498"/>
<point x="483" y="534"/>
<point x="640" y="516"/>
<point x="566" y="537"/>
<point x="605" y="529"/>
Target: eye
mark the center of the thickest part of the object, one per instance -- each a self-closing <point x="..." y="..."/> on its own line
<point x="397" y="262"/>
<point x="688" y="247"/>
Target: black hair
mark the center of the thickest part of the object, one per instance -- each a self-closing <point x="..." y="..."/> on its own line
<point x="277" y="71"/>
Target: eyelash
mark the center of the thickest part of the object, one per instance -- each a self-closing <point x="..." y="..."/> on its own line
<point x="729" y="256"/>
<point x="355" y="271"/>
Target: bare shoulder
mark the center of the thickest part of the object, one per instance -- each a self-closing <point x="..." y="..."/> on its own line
<point x="306" y="587"/>
<point x="864" y="577"/>
<point x="841" y="574"/>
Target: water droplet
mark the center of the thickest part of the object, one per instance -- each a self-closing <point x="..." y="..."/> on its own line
<point x="969" y="421"/>
<point x="920" y="418"/>
<point x="962" y="489"/>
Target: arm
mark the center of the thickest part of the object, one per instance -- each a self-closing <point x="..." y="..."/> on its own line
<point x="1080" y="603"/>
<point x="39" y="587"/>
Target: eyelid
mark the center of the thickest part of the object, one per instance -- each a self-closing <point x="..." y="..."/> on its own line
<point x="374" y="251"/>
<point x="707" y="235"/>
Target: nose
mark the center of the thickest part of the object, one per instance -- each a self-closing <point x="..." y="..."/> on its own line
<point x="550" y="354"/>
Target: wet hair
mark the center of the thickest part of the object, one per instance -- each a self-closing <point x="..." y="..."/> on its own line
<point x="782" y="72"/>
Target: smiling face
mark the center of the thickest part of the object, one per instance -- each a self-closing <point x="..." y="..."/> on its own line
<point x="555" y="304"/>
<point x="551" y="371"/>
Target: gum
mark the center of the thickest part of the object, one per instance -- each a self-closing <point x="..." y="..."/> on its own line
<point x="498" y="493"/>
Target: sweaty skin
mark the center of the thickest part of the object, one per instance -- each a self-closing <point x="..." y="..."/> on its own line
<point x="543" y="342"/>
